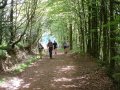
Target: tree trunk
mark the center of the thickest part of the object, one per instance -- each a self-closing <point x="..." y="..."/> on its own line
<point x="12" y="36"/>
<point x="105" y="32"/>
<point x="94" y="29"/>
<point x="112" y="36"/>
<point x="1" y="29"/>
<point x="89" y="46"/>
<point x="71" y="46"/>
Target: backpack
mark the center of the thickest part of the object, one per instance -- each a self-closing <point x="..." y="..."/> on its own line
<point x="40" y="46"/>
<point x="50" y="44"/>
<point x="65" y="44"/>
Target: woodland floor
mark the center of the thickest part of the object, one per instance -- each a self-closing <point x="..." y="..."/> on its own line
<point x="63" y="72"/>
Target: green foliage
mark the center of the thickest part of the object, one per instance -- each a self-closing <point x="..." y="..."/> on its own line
<point x="117" y="39"/>
<point x="117" y="58"/>
<point x="116" y="77"/>
<point x="2" y="80"/>
<point x="22" y="45"/>
<point x="77" y="50"/>
<point x="23" y="66"/>
<point x="3" y="54"/>
<point x="3" y="46"/>
<point x="102" y="63"/>
<point x="59" y="7"/>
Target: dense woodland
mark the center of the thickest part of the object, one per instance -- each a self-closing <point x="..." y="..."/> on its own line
<point x="91" y="27"/>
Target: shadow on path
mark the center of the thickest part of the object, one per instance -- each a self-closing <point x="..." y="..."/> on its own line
<point x="63" y="72"/>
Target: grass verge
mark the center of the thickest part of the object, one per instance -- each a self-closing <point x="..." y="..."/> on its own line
<point x="23" y="66"/>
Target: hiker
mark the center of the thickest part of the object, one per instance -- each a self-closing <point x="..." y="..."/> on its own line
<point x="55" y="47"/>
<point x="50" y="47"/>
<point x="40" y="48"/>
<point x="66" y="46"/>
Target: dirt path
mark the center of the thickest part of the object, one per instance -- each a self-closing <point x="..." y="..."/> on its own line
<point x="63" y="72"/>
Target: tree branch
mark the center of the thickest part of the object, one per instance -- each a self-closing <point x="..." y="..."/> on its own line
<point x="14" y="43"/>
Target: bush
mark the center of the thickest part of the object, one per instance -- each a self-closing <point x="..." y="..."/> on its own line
<point x="3" y="54"/>
<point x="23" y="66"/>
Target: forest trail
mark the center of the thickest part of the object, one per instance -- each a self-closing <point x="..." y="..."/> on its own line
<point x="63" y="72"/>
